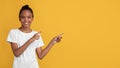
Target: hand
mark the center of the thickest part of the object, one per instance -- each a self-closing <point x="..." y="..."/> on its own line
<point x="36" y="36"/>
<point x="57" y="39"/>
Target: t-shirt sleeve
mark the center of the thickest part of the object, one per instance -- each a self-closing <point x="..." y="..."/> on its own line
<point x="40" y="42"/>
<point x="11" y="37"/>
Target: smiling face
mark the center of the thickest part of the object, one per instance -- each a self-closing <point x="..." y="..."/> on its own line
<point x="26" y="18"/>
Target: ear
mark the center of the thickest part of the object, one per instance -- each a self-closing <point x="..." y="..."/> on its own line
<point x="32" y="18"/>
<point x="19" y="18"/>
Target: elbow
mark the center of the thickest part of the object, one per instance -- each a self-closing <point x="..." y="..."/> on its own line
<point x="16" y="55"/>
<point x="40" y="57"/>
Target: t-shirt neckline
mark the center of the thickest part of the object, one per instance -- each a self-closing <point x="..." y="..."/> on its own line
<point x="24" y="32"/>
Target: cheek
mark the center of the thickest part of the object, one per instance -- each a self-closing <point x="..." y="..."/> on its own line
<point x="30" y="20"/>
<point x="21" y="20"/>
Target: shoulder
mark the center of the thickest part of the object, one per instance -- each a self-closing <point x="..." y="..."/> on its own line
<point x="34" y="31"/>
<point x="13" y="31"/>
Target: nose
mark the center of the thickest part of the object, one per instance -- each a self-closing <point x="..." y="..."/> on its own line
<point x="26" y="19"/>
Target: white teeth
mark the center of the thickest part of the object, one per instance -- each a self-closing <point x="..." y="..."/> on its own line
<point x="26" y="23"/>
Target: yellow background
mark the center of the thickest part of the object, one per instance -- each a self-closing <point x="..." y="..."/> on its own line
<point x="91" y="31"/>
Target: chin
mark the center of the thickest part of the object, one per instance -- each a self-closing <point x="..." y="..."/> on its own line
<point x="26" y="26"/>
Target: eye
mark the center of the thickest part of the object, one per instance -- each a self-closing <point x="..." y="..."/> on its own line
<point x="29" y="17"/>
<point x="22" y="17"/>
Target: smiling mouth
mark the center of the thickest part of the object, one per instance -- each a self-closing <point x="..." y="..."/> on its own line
<point x="26" y="23"/>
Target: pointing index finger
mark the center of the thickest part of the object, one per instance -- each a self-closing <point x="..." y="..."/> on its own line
<point x="61" y="34"/>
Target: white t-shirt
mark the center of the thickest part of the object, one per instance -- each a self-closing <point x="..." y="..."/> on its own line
<point x="28" y="58"/>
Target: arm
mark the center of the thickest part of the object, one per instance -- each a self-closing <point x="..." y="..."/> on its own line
<point x="42" y="53"/>
<point x="18" y="51"/>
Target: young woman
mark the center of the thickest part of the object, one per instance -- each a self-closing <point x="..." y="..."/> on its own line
<point x="26" y="43"/>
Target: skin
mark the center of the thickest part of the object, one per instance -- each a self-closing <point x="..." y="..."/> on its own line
<point x="26" y="19"/>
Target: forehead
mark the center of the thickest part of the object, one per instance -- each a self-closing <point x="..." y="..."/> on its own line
<point x="26" y="12"/>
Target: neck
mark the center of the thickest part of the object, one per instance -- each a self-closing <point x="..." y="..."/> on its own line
<point x="27" y="30"/>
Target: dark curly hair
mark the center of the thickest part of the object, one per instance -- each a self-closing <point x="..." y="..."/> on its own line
<point x="26" y="7"/>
